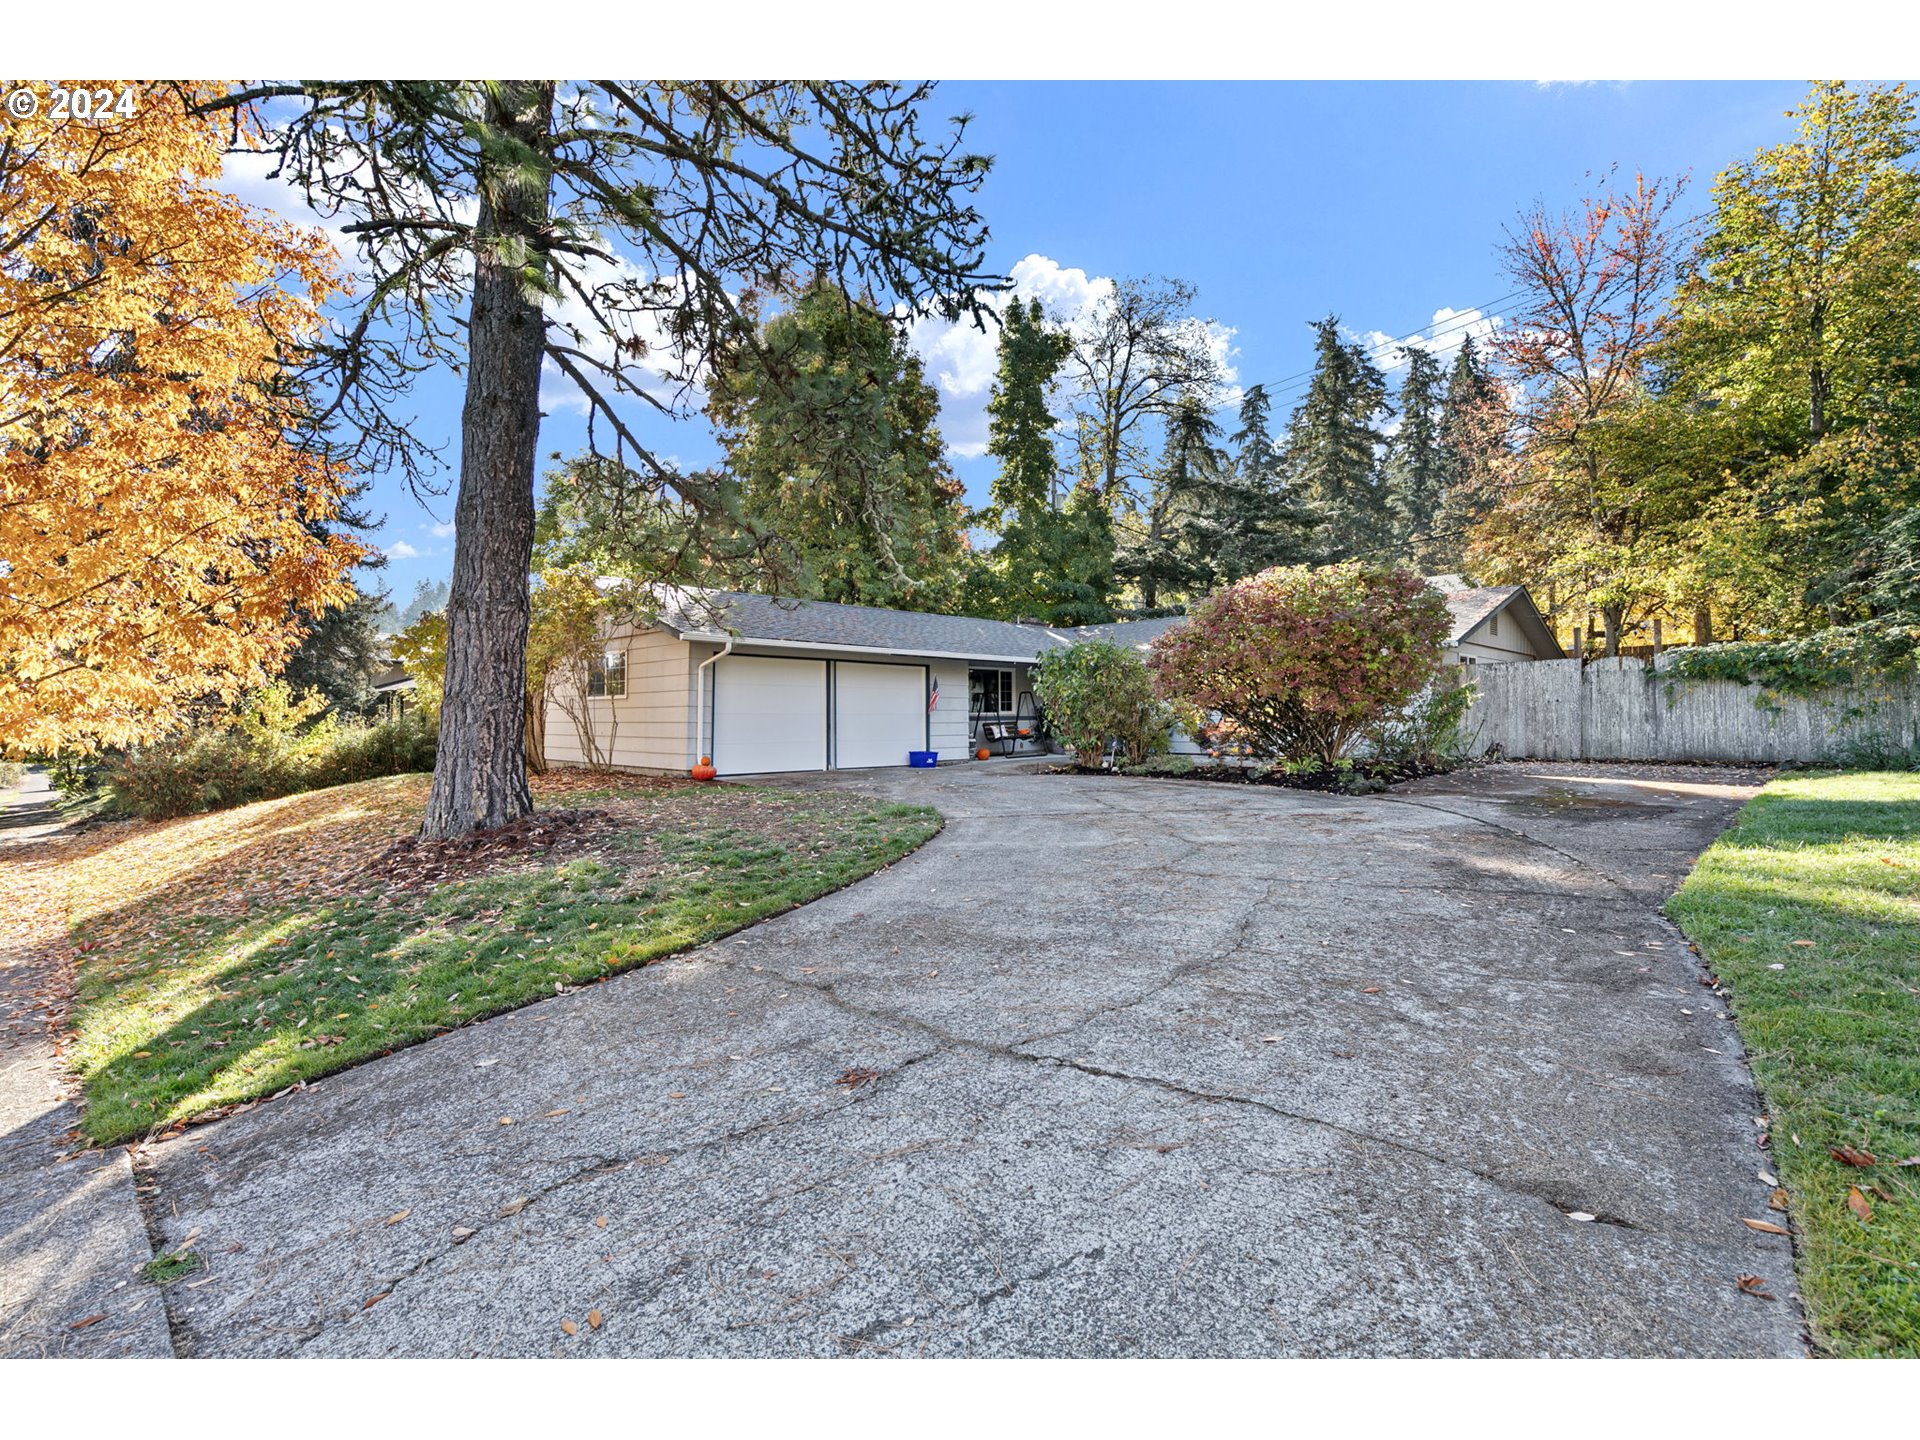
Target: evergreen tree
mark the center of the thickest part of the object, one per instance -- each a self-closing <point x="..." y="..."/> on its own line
<point x="1471" y="435"/>
<point x="1052" y="563"/>
<point x="1333" y="441"/>
<point x="1170" y="548"/>
<point x="1261" y="524"/>
<point x="1416" y="471"/>
<point x="829" y="426"/>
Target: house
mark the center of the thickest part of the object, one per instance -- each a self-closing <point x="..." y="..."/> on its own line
<point x="767" y="685"/>
<point x="1494" y="623"/>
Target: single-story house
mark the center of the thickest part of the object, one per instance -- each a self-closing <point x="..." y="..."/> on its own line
<point x="766" y="685"/>
<point x="1493" y="624"/>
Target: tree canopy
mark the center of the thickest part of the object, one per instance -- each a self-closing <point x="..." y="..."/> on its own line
<point x="161" y="534"/>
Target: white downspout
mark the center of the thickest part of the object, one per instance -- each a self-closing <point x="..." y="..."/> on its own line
<point x="700" y="695"/>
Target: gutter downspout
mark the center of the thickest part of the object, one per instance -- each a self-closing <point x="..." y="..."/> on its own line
<point x="700" y="695"/>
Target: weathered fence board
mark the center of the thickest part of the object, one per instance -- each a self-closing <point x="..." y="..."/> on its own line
<point x="1624" y="709"/>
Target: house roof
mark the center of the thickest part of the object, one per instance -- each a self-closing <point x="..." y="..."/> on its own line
<point x="822" y="622"/>
<point x="1472" y="606"/>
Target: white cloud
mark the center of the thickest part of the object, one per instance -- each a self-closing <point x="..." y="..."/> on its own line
<point x="401" y="550"/>
<point x="441" y="529"/>
<point x="1440" y="339"/>
<point x="961" y="357"/>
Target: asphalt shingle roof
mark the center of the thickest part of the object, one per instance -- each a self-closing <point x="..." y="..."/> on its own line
<point x="822" y="622"/>
<point x="1471" y="606"/>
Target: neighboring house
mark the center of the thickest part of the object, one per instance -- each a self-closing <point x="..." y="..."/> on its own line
<point x="764" y="685"/>
<point x="391" y="682"/>
<point x="1494" y="623"/>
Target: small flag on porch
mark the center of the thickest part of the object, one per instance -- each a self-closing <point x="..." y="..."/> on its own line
<point x="933" y="695"/>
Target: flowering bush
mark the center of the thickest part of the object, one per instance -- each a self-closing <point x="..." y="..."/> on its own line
<point x="1302" y="662"/>
<point x="1097" y="692"/>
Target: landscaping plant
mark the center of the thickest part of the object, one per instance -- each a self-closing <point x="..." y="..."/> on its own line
<point x="1303" y="662"/>
<point x="1095" y="693"/>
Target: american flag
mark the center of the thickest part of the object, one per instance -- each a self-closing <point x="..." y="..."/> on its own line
<point x="933" y="695"/>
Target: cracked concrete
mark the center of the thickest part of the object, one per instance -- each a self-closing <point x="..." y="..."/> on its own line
<point x="1162" y="1069"/>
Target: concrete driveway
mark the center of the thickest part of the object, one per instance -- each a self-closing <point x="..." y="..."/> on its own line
<point x="1108" y="1068"/>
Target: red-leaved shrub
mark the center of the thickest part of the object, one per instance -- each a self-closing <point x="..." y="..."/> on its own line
<point x="1303" y="662"/>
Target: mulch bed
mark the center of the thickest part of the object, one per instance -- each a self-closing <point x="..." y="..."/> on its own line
<point x="411" y="863"/>
<point x="1361" y="779"/>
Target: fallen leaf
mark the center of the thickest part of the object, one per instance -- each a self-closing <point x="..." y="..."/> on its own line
<point x="1269" y="1039"/>
<point x="1847" y="1155"/>
<point x="1371" y="990"/>
<point x="595" y="1319"/>
<point x="462" y="1233"/>
<point x="1884" y="1193"/>
<point x="1860" y="1205"/>
<point x="90" y="1320"/>
<point x="1804" y="944"/>
<point x="1767" y="1178"/>
<point x="513" y="1207"/>
<point x="1580" y="1215"/>
<point x="1777" y="1200"/>
<point x="1753" y="1285"/>
<point x="506" y="1119"/>
<point x="548" y="1115"/>
<point x="676" y="1095"/>
<point x="1910" y="1160"/>
<point x="854" y="1078"/>
<point x="373" y="1300"/>
<point x="601" y="1221"/>
<point x="1766" y="1225"/>
<point x="569" y="1327"/>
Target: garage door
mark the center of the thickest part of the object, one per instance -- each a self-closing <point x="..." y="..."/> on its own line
<point x="879" y="714"/>
<point x="769" y="715"/>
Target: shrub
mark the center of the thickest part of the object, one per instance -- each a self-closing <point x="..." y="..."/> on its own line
<point x="278" y="745"/>
<point x="1097" y="692"/>
<point x="1304" y="662"/>
<point x="1430" y="731"/>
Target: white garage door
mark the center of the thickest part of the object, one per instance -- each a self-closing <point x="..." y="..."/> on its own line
<point x="879" y="714"/>
<point x="769" y="715"/>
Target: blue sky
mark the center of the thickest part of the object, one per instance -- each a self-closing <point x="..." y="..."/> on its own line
<point x="1379" y="202"/>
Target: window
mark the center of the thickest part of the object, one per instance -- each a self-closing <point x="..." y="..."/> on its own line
<point x="1493" y="626"/>
<point x="607" y="676"/>
<point x="990" y="692"/>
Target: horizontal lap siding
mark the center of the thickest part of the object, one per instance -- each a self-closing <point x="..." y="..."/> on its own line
<point x="651" y="727"/>
<point x="949" y="718"/>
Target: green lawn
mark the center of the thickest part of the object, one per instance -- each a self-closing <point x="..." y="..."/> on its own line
<point x="1808" y="909"/>
<point x="226" y="956"/>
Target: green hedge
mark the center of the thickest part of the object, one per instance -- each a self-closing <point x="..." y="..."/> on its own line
<point x="215" y="769"/>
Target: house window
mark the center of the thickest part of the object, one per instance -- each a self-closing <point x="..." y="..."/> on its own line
<point x="990" y="692"/>
<point x="1493" y="626"/>
<point x="607" y="676"/>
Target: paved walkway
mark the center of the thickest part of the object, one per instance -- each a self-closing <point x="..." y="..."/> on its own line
<point x="1107" y="1068"/>
<point x="72" y="1239"/>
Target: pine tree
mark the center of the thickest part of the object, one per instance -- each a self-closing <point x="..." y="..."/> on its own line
<point x="1333" y="441"/>
<point x="1261" y="524"/>
<point x="1470" y="436"/>
<point x="1052" y="563"/>
<point x="829" y="425"/>
<point x="1174" y="538"/>
<point x="1416" y="471"/>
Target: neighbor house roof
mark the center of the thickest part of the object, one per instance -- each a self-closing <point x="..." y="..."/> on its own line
<point x="1471" y="606"/>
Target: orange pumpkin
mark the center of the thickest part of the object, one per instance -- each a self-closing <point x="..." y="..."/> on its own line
<point x="704" y="770"/>
<point x="983" y="753"/>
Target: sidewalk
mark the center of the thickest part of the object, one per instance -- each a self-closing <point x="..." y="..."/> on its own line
<point x="72" y="1239"/>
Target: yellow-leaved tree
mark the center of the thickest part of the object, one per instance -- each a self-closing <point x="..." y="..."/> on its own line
<point x="160" y="528"/>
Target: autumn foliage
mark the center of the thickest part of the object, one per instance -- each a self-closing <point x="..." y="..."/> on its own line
<point x="1302" y="662"/>
<point x="158" y="528"/>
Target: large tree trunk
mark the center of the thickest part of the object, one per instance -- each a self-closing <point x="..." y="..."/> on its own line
<point x="480" y="777"/>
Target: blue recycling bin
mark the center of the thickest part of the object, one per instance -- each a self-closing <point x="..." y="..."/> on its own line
<point x="923" y="759"/>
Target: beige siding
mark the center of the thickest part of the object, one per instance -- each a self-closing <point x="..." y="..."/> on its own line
<point x="650" y="727"/>
<point x="1483" y="647"/>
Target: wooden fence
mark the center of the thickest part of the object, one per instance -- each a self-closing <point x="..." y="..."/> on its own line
<point x="1625" y="709"/>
